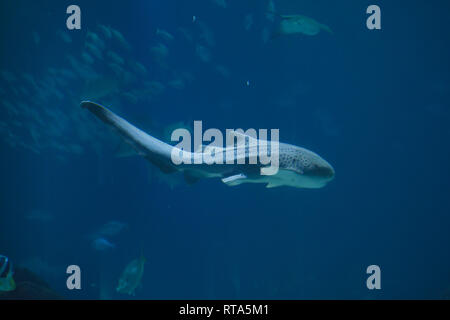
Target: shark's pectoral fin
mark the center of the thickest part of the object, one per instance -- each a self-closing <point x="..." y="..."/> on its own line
<point x="234" y="180"/>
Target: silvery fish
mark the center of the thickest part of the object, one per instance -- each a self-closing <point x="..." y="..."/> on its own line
<point x="131" y="276"/>
<point x="7" y="282"/>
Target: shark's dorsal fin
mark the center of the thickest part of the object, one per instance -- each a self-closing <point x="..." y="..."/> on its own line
<point x="240" y="134"/>
<point x="234" y="180"/>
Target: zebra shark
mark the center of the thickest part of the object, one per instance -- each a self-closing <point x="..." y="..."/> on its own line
<point x="297" y="166"/>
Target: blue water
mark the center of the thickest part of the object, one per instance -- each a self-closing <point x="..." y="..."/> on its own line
<point x="375" y="104"/>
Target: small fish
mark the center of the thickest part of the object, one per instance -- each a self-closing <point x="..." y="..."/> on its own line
<point x="159" y="53"/>
<point x="100" y="87"/>
<point x="112" y="228"/>
<point x="203" y="53"/>
<point x="187" y="35"/>
<point x="118" y="70"/>
<point x="154" y="88"/>
<point x="206" y="34"/>
<point x="105" y="31"/>
<point x="270" y="10"/>
<point x="177" y="84"/>
<point x="87" y="57"/>
<point x="224" y="71"/>
<point x="64" y="36"/>
<point x="220" y="3"/>
<point x="120" y="38"/>
<point x="139" y="68"/>
<point x="96" y="52"/>
<point x="8" y="76"/>
<point x="131" y="277"/>
<point x="248" y="21"/>
<point x="95" y="39"/>
<point x="102" y="244"/>
<point x="265" y="35"/>
<point x="160" y="50"/>
<point x="36" y="37"/>
<point x="164" y="34"/>
<point x="40" y="216"/>
<point x="292" y="24"/>
<point x="7" y="282"/>
<point x="115" y="58"/>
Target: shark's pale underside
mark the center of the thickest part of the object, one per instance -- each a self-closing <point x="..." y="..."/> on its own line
<point x="298" y="167"/>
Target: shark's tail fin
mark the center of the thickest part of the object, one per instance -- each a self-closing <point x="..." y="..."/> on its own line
<point x="156" y="151"/>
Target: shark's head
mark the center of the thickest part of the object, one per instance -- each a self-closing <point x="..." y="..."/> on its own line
<point x="302" y="168"/>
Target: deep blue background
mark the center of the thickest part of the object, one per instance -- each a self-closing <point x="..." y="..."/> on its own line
<point x="375" y="104"/>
